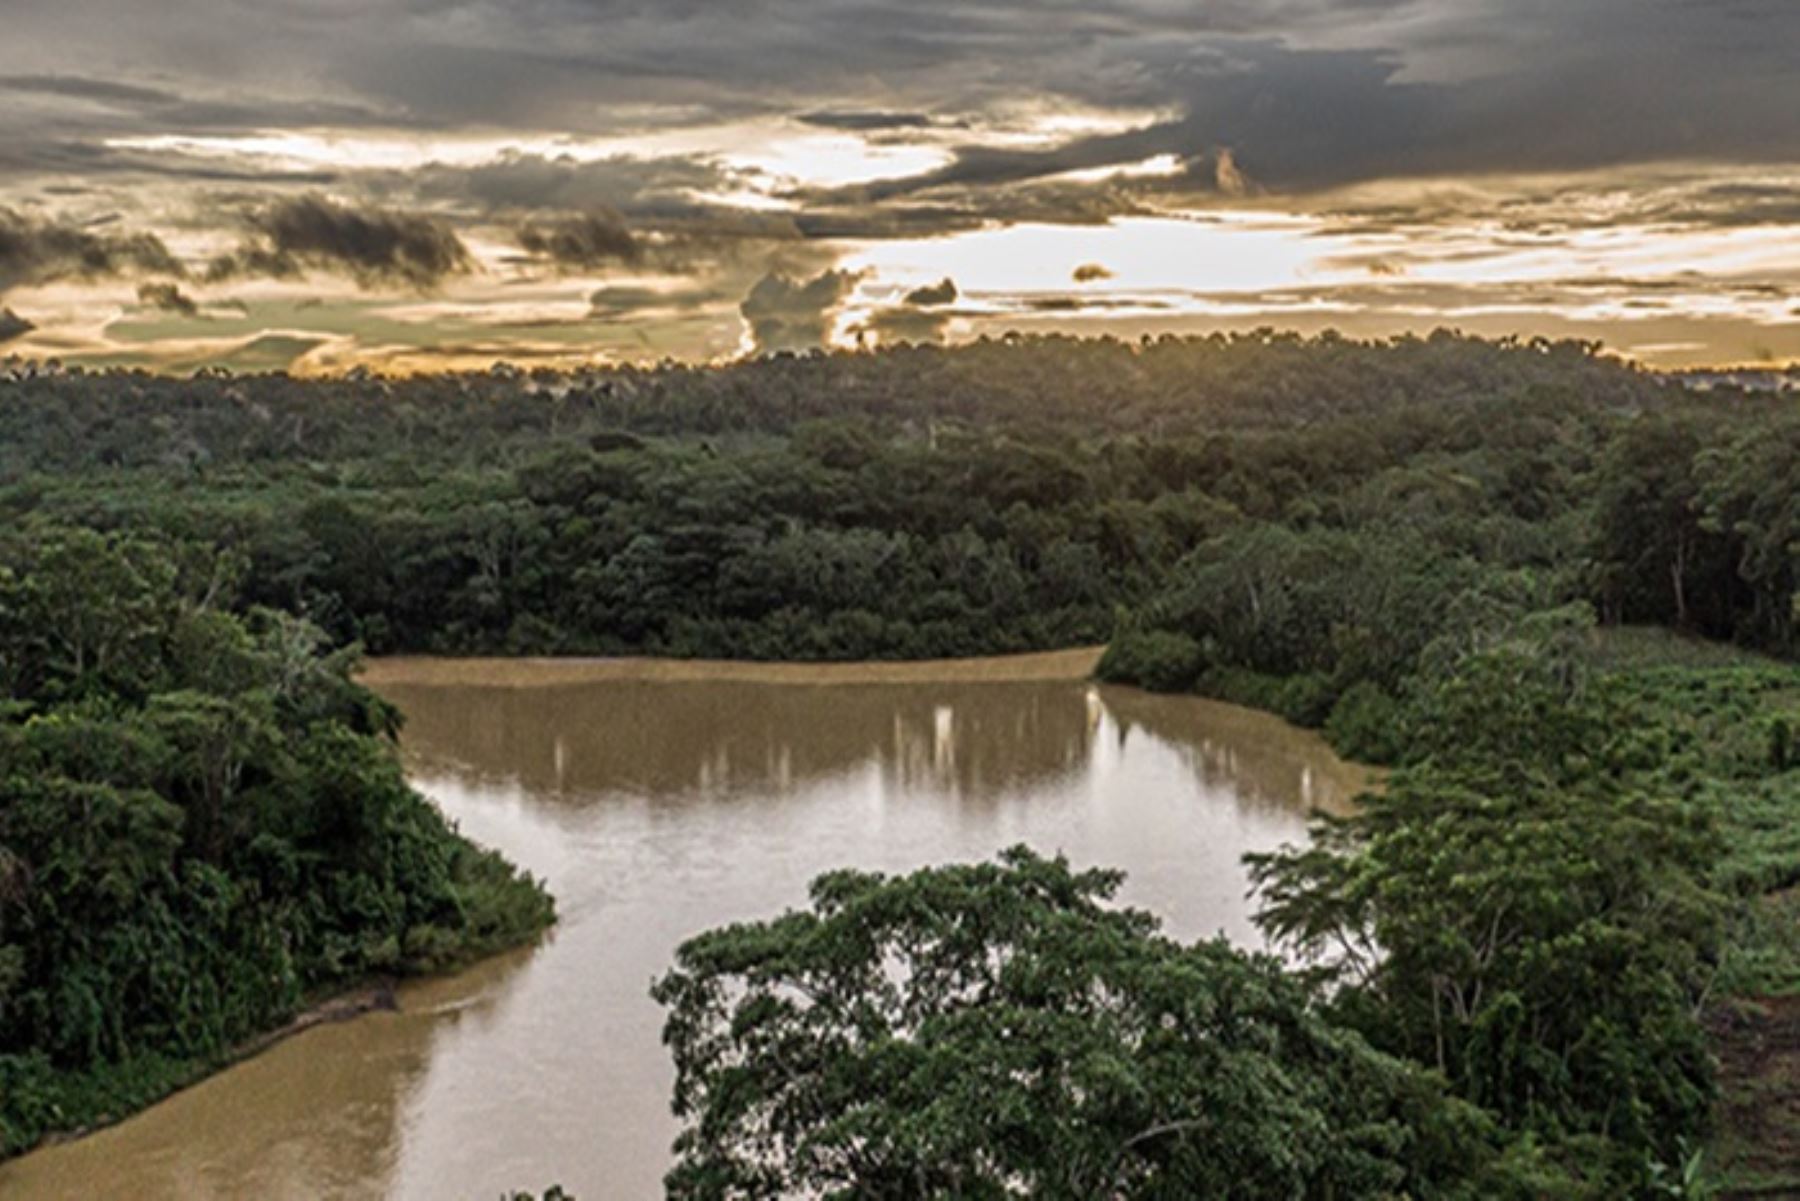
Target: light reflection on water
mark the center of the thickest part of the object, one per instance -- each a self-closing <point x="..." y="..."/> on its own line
<point x="657" y="809"/>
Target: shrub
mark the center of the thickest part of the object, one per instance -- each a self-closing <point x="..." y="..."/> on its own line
<point x="1366" y="724"/>
<point x="1159" y="660"/>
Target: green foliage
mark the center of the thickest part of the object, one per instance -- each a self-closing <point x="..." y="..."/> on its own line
<point x="913" y="503"/>
<point x="1703" y="734"/>
<point x="1699" y="525"/>
<point x="1160" y="660"/>
<point x="1543" y="903"/>
<point x="1294" y="620"/>
<point x="1367" y="724"/>
<point x="200" y="828"/>
<point x="1544" y="949"/>
<point x="1001" y="1029"/>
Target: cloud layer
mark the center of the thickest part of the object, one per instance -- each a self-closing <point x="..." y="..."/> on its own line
<point x="39" y="251"/>
<point x="373" y="247"/>
<point x="605" y="178"/>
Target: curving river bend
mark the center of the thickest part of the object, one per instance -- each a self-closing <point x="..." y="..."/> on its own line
<point x="661" y="799"/>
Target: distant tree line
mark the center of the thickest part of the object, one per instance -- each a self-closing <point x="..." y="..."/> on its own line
<point x="924" y="502"/>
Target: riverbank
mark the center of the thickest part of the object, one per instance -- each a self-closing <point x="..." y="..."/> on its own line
<point x="347" y="1005"/>
<point x="123" y="1091"/>
<point x="493" y="672"/>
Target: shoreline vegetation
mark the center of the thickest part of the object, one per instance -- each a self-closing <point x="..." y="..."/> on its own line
<point x="1460" y="558"/>
<point x="346" y="1006"/>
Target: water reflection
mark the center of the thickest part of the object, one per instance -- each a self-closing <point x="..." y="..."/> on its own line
<point x="678" y="739"/>
<point x="1255" y="758"/>
<point x="656" y="809"/>
<point x="573" y="743"/>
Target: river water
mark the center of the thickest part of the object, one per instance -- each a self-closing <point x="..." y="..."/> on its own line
<point x="659" y="801"/>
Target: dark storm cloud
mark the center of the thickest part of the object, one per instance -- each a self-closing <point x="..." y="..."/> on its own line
<point x="521" y="182"/>
<point x="13" y="326"/>
<point x="789" y="314"/>
<point x="933" y="295"/>
<point x="576" y="64"/>
<point x="1456" y="87"/>
<point x="582" y="243"/>
<point x="167" y="298"/>
<point x="373" y="247"/>
<point x="1308" y="92"/>
<point x="1299" y="119"/>
<point x="1522" y="86"/>
<point x="39" y="251"/>
<point x="1292" y="102"/>
<point x="620" y="302"/>
<point x="867" y="121"/>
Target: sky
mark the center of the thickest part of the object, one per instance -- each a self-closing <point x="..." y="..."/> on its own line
<point x="407" y="185"/>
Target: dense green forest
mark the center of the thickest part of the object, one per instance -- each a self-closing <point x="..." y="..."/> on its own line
<point x="1453" y="556"/>
<point x="919" y="502"/>
<point x="202" y="828"/>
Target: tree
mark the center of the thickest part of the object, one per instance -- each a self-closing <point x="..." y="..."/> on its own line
<point x="1000" y="1030"/>
<point x="83" y="611"/>
<point x="1748" y="490"/>
<point x="200" y="825"/>
<point x="1656" y="560"/>
<point x="1517" y="915"/>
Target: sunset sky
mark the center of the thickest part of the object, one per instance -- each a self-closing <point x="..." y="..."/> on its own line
<point x="421" y="184"/>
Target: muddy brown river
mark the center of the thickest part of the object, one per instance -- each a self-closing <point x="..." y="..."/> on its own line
<point x="659" y="800"/>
